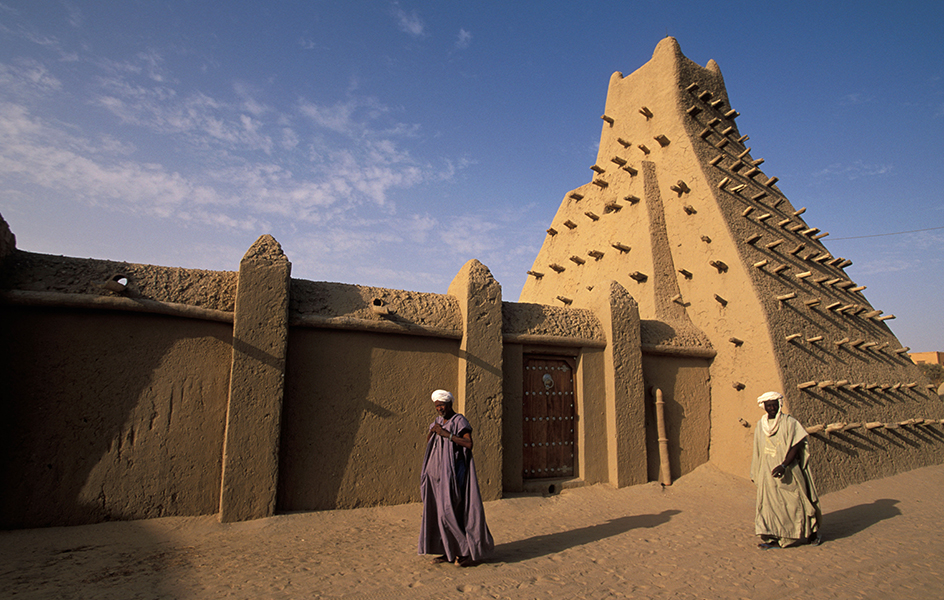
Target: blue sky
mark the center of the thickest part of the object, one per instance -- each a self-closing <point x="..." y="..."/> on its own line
<point x="387" y="143"/>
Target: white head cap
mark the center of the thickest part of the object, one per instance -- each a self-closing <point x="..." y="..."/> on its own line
<point x="442" y="396"/>
<point x="767" y="397"/>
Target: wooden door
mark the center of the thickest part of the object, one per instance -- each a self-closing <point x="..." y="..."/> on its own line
<point x="548" y="417"/>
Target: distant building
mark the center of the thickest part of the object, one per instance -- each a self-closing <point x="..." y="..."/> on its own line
<point x="927" y="358"/>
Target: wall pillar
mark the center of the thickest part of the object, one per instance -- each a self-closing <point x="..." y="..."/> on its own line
<point x="479" y="386"/>
<point x="625" y="388"/>
<point x="257" y="381"/>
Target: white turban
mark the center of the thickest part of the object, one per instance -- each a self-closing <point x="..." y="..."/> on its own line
<point x="770" y="396"/>
<point x="442" y="396"/>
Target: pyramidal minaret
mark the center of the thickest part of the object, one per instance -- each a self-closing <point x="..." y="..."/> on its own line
<point x="683" y="213"/>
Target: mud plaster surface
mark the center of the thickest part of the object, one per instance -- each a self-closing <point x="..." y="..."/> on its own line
<point x="33" y="272"/>
<point x="357" y="301"/>
<point x="538" y="319"/>
<point x="691" y="540"/>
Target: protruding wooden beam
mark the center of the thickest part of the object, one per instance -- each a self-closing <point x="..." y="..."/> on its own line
<point x="644" y="111"/>
<point x="621" y="247"/>
<point x="536" y="274"/>
<point x="638" y="276"/>
<point x="577" y="259"/>
<point x="722" y="267"/>
<point x="608" y="119"/>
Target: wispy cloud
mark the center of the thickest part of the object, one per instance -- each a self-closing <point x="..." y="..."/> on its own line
<point x="464" y="39"/>
<point x="856" y="98"/>
<point x="27" y="77"/>
<point x="409" y="23"/>
<point x="851" y="171"/>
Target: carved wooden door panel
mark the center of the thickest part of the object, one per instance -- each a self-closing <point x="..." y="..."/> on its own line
<point x="548" y="417"/>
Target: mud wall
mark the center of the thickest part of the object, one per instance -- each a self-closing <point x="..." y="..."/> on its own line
<point x="685" y="386"/>
<point x="355" y="416"/>
<point x="110" y="415"/>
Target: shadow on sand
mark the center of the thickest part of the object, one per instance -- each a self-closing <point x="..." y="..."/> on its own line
<point x="850" y="521"/>
<point x="552" y="543"/>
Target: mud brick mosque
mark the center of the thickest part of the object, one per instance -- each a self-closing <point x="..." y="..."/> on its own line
<point x="679" y="273"/>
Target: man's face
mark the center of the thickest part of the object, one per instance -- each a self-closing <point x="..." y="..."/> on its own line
<point x="442" y="408"/>
<point x="772" y="406"/>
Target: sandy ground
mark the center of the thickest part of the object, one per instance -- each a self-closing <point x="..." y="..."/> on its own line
<point x="692" y="540"/>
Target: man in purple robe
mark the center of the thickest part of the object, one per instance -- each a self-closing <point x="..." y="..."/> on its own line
<point x="453" y="515"/>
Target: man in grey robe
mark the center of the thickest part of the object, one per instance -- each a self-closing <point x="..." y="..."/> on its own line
<point x="787" y="503"/>
<point x="453" y="522"/>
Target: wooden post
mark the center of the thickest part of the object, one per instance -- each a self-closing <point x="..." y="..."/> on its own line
<point x="665" y="472"/>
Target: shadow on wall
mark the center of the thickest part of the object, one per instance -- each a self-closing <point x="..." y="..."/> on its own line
<point x="685" y="387"/>
<point x="356" y="411"/>
<point x="110" y="416"/>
